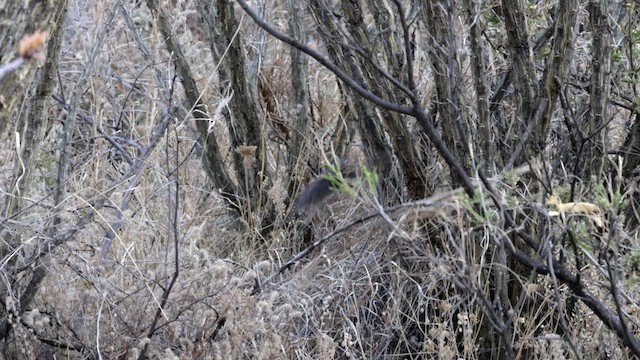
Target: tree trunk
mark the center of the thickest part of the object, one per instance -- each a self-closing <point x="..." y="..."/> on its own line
<point x="594" y="157"/>
<point x="362" y="113"/>
<point x="437" y="15"/>
<point x="524" y="77"/>
<point x="300" y="139"/>
<point x="244" y="117"/>
<point x="31" y="121"/>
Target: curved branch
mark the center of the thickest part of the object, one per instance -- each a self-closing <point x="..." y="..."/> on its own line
<point x="415" y="111"/>
<point x="443" y="150"/>
<point x="368" y="58"/>
<point x="326" y="63"/>
<point x="407" y="49"/>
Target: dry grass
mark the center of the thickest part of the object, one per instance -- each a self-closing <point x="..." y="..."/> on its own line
<point x="408" y="282"/>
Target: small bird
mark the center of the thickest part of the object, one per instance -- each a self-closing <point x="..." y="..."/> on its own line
<point x="321" y="189"/>
<point x="315" y="194"/>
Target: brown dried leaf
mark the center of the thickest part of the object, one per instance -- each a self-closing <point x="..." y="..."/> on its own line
<point x="31" y="44"/>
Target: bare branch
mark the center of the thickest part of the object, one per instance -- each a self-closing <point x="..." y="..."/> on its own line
<point x="325" y="62"/>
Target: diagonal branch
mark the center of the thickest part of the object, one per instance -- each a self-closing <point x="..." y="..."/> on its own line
<point x="416" y="111"/>
<point x="326" y="63"/>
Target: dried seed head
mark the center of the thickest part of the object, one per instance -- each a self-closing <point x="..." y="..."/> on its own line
<point x="248" y="160"/>
<point x="247" y="150"/>
<point x="31" y="44"/>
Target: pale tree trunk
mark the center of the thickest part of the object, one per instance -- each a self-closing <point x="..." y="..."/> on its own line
<point x="26" y="103"/>
<point x="301" y="124"/>
<point x="557" y="69"/>
<point x="485" y="142"/>
<point x="244" y="116"/>
<point x="212" y="157"/>
<point x="595" y="149"/>
<point x="524" y="77"/>
<point x="437" y="16"/>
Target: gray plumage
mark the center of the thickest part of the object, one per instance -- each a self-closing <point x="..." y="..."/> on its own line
<point x="315" y="194"/>
<point x="321" y="189"/>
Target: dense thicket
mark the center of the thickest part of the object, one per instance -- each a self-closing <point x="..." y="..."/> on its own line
<point x="168" y="165"/>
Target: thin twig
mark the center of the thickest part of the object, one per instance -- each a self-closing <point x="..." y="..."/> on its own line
<point x="340" y="230"/>
<point x="174" y="205"/>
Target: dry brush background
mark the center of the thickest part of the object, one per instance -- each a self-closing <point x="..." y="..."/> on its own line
<point x="153" y="152"/>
